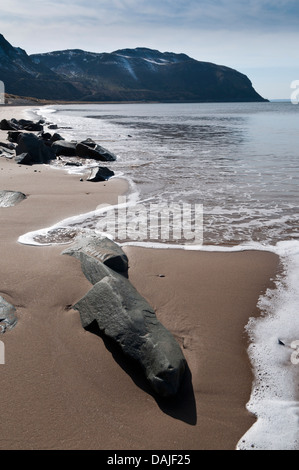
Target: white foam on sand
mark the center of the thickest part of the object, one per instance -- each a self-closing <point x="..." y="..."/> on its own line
<point x="274" y="355"/>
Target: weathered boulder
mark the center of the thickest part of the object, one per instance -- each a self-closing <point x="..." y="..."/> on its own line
<point x="100" y="173"/>
<point x="102" y="249"/>
<point x="8" y="318"/>
<point x="125" y="316"/>
<point x="11" y="198"/>
<point x="35" y="148"/>
<point x="64" y="147"/>
<point x="89" y="149"/>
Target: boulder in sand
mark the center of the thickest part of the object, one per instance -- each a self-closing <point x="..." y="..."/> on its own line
<point x="11" y="198"/>
<point x="64" y="147"/>
<point x="8" y="318"/>
<point x="101" y="248"/>
<point x="100" y="173"/>
<point x="35" y="148"/>
<point x="89" y="149"/>
<point x="123" y="315"/>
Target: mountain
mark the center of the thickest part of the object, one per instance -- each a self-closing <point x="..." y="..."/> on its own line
<point x="139" y="74"/>
<point x="146" y="74"/>
<point x="23" y="77"/>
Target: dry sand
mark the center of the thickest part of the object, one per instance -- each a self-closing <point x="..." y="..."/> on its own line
<point x="65" y="388"/>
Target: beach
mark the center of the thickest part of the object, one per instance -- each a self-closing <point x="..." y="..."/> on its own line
<point x="63" y="387"/>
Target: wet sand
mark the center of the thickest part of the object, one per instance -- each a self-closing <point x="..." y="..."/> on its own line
<point x="66" y="388"/>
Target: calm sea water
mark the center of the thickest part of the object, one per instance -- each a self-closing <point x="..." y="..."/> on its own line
<point x="241" y="162"/>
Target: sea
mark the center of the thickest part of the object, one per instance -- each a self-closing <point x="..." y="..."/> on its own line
<point x="225" y="177"/>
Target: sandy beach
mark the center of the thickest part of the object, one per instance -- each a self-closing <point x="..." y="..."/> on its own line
<point x="65" y="388"/>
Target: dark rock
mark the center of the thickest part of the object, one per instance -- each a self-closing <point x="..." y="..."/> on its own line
<point x="36" y="149"/>
<point x="8" y="318"/>
<point x="11" y="198"/>
<point x="52" y="126"/>
<point x="8" y="125"/>
<point x="7" y="146"/>
<point x="23" y="159"/>
<point x="55" y="137"/>
<point x="46" y="135"/>
<point x="94" y="151"/>
<point x="89" y="142"/>
<point x="125" y="316"/>
<point x="64" y="147"/>
<point x="27" y="125"/>
<point x="12" y="136"/>
<point x="100" y="173"/>
<point x="102" y="249"/>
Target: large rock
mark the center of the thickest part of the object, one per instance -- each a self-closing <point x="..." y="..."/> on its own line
<point x="102" y="249"/>
<point x="8" y="125"/>
<point x="89" y="149"/>
<point x="100" y="173"/>
<point x="8" y="318"/>
<point x="21" y="124"/>
<point x="126" y="317"/>
<point x="11" y="198"/>
<point x="123" y="315"/>
<point x="36" y="149"/>
<point x="27" y="125"/>
<point x="13" y="136"/>
<point x="64" y="147"/>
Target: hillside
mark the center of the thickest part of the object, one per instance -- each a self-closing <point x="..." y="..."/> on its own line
<point x="139" y="74"/>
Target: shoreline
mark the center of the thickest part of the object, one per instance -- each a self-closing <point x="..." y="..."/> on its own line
<point x="64" y="388"/>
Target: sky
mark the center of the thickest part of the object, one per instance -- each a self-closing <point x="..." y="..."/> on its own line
<point x="259" y="38"/>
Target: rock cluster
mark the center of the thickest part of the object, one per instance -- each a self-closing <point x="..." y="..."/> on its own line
<point x="29" y="148"/>
<point x="123" y="315"/>
<point x="120" y="312"/>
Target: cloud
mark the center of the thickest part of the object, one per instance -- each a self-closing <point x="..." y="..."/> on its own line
<point x="212" y="14"/>
<point x="239" y="33"/>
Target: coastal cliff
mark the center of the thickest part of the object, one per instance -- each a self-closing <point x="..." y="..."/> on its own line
<point x="139" y="74"/>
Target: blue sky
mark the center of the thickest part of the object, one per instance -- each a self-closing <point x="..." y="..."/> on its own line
<point x="258" y="38"/>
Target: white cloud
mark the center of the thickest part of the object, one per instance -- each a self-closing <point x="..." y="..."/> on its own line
<point x="243" y="34"/>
